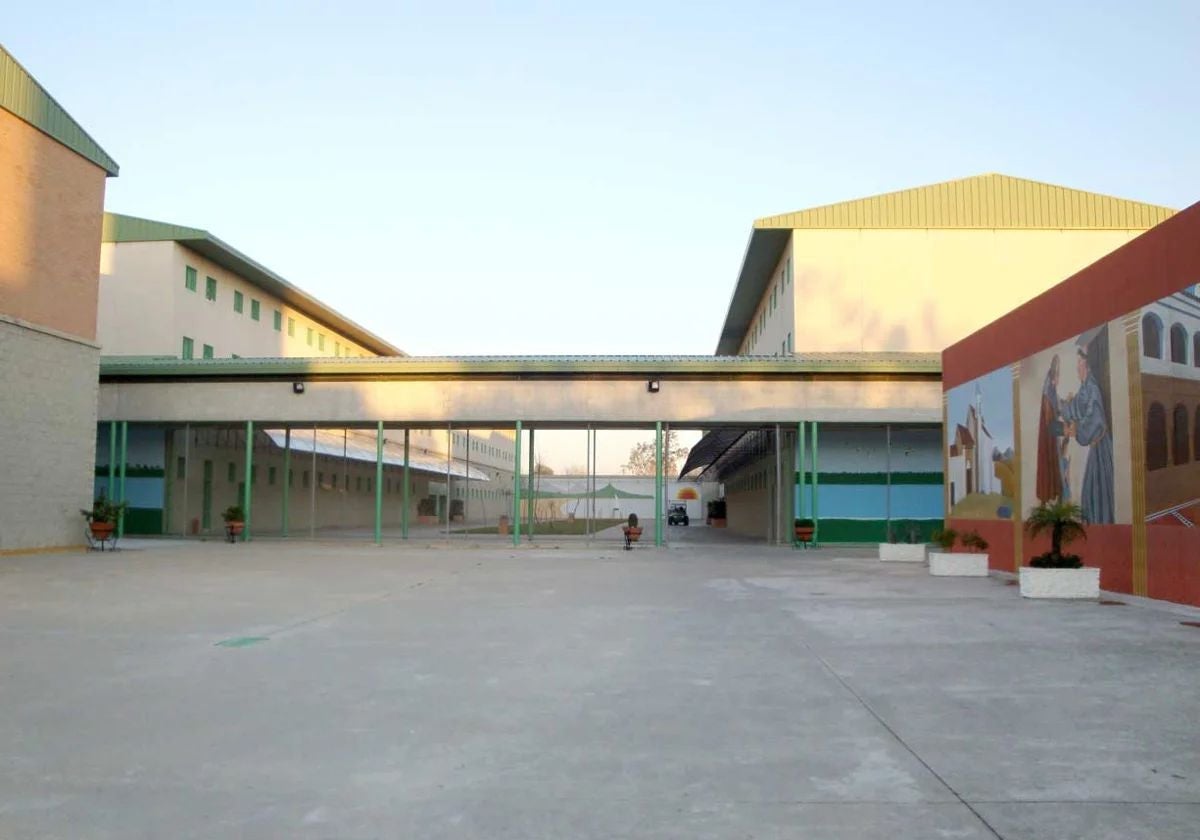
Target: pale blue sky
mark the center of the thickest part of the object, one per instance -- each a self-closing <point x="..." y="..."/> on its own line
<point x="581" y="178"/>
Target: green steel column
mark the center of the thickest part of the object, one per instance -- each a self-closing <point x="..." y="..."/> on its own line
<point x="110" y="492"/>
<point x="404" y="493"/>
<point x="816" y="473"/>
<point x="124" y="458"/>
<point x="798" y="476"/>
<point x="516" y="520"/>
<point x="658" y="481"/>
<point x="379" y="483"/>
<point x="530" y="501"/>
<point x="246" y="486"/>
<point x="287" y="474"/>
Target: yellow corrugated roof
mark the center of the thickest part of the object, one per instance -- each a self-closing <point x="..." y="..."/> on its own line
<point x="982" y="201"/>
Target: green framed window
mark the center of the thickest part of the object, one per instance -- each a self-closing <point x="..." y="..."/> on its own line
<point x="231" y="472"/>
<point x="271" y="475"/>
<point x="238" y="302"/>
<point x="254" y="309"/>
<point x="320" y="478"/>
<point x="310" y="336"/>
<point x="189" y="347"/>
<point x="210" y="288"/>
<point x="304" y="479"/>
<point x="208" y="351"/>
<point x="321" y="341"/>
<point x="291" y="327"/>
<point x="278" y="320"/>
<point x="180" y="467"/>
<point x="189" y="278"/>
<point x="357" y="483"/>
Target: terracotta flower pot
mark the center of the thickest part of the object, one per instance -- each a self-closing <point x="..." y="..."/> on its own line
<point x="102" y="530"/>
<point x="804" y="534"/>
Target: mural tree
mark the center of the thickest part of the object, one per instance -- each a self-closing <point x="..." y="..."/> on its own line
<point x="641" y="459"/>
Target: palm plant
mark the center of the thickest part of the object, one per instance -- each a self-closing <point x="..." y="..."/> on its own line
<point x="1064" y="522"/>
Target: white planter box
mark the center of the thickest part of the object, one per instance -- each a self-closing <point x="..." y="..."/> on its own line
<point x="957" y="564"/>
<point x="902" y="552"/>
<point x="1060" y="583"/>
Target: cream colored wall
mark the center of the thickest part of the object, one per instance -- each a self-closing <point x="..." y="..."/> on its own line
<point x="922" y="289"/>
<point x="495" y="402"/>
<point x="145" y="309"/>
<point x="778" y="322"/>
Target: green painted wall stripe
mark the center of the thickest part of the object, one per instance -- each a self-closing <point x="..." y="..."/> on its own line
<point x="909" y="478"/>
<point x="871" y="530"/>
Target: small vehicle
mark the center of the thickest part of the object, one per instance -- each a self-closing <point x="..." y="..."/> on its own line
<point x="677" y="514"/>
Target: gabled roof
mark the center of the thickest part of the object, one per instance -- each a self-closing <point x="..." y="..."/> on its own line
<point x="988" y="202"/>
<point x="119" y="228"/>
<point x="22" y="96"/>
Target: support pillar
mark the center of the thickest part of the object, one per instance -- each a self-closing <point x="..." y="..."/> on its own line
<point x="287" y="475"/>
<point x="816" y="483"/>
<point x="110" y="492"/>
<point x="379" y="483"/>
<point x="246" y="486"/>
<point x="780" y="530"/>
<point x="404" y="493"/>
<point x="187" y="474"/>
<point x="516" y="518"/>
<point x="530" y="500"/>
<point x="658" y="481"/>
<point x="124" y="458"/>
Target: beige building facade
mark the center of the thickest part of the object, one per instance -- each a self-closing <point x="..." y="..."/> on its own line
<point x="911" y="271"/>
<point x="52" y="180"/>
<point x="169" y="290"/>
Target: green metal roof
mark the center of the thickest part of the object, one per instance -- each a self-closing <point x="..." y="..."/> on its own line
<point x="924" y="365"/>
<point x="21" y="95"/>
<point x="991" y="202"/>
<point x="120" y="228"/>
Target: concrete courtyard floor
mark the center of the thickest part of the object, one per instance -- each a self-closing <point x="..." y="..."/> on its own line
<point x="321" y="690"/>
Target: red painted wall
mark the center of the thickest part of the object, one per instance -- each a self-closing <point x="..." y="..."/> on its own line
<point x="1155" y="265"/>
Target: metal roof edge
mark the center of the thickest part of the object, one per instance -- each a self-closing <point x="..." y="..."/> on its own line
<point x="122" y="228"/>
<point x="25" y="98"/>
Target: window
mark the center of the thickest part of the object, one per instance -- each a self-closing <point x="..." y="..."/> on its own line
<point x="188" y="347"/>
<point x="320" y="478"/>
<point x="189" y="278"/>
<point x="208" y="351"/>
<point x="291" y="476"/>
<point x="291" y="327"/>
<point x="234" y="356"/>
<point x="1156" y="437"/>
<point x="270" y="475"/>
<point x="789" y="343"/>
<point x="368" y="485"/>
<point x="337" y="348"/>
<point x="180" y="467"/>
<point x="238" y="302"/>
<point x="1179" y="437"/>
<point x="278" y="320"/>
<point x="321" y="341"/>
<point x="357" y="483"/>
<point x="1152" y="336"/>
<point x="210" y="288"/>
<point x="310" y="336"/>
<point x="253" y="473"/>
<point x="254" y="310"/>
<point x="1196" y="436"/>
<point x="304" y="479"/>
<point x="1196" y="350"/>
<point x="1178" y="344"/>
<point x="231" y="472"/>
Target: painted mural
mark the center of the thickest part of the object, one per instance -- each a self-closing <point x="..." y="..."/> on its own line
<point x="1169" y="344"/>
<point x="1074" y="413"/>
<point x="980" y="451"/>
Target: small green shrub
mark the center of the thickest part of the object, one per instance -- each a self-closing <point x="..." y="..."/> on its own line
<point x="973" y="542"/>
<point x="945" y="537"/>
<point x="234" y="513"/>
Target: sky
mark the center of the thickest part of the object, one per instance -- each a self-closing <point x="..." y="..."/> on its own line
<point x="484" y="178"/>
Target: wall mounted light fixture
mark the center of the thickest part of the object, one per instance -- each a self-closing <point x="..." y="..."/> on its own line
<point x="297" y="387"/>
<point x="652" y="386"/>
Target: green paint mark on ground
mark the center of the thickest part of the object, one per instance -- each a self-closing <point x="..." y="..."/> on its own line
<point x="242" y="641"/>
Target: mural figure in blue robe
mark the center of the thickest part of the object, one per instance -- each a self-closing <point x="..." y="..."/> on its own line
<point x="1085" y="414"/>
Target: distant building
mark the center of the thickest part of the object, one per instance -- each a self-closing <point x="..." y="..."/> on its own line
<point x="52" y="179"/>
